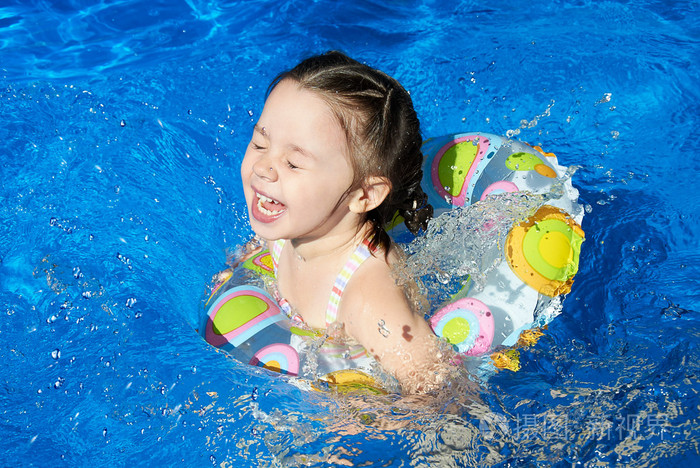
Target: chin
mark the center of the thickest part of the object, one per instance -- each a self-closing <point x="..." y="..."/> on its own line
<point x="263" y="230"/>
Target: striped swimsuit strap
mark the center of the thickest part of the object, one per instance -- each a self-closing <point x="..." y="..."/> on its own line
<point x="360" y="254"/>
<point x="275" y="252"/>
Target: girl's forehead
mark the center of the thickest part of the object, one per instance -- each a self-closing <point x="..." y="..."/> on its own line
<point x="303" y="119"/>
<point x="292" y="91"/>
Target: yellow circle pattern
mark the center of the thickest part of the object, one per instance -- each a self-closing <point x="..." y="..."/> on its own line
<point x="543" y="251"/>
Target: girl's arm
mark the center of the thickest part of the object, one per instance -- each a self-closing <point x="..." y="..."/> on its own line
<point x="377" y="313"/>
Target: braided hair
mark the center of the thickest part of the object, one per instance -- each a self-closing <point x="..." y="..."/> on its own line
<point x="383" y="134"/>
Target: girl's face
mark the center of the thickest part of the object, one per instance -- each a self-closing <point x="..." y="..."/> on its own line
<point x="296" y="167"/>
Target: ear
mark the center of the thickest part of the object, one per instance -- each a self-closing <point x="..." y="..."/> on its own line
<point x="372" y="193"/>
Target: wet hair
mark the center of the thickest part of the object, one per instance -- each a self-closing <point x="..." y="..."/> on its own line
<point x="383" y="134"/>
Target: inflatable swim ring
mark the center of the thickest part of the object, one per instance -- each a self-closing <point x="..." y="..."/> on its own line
<point x="542" y="258"/>
<point x="541" y="252"/>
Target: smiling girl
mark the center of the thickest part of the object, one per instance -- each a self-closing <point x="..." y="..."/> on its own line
<point x="335" y="154"/>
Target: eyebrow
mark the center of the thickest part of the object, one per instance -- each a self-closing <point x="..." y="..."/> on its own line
<point x="293" y="147"/>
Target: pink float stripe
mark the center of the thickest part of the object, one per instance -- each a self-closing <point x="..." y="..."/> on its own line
<point x="460" y="199"/>
<point x="271" y="311"/>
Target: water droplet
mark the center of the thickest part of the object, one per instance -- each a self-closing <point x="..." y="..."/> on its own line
<point x="606" y="98"/>
<point x="443" y="277"/>
<point x="122" y="123"/>
<point x="56" y="354"/>
<point x="254" y="394"/>
<point x="382" y="328"/>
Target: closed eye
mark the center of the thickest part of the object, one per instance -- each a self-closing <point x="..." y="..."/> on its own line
<point x="292" y="165"/>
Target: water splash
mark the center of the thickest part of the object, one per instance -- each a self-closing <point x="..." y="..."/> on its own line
<point x="467" y="243"/>
<point x="524" y="123"/>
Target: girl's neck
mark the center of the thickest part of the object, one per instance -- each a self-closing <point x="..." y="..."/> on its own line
<point x="329" y="245"/>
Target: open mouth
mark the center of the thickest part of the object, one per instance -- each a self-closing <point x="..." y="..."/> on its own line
<point x="268" y="206"/>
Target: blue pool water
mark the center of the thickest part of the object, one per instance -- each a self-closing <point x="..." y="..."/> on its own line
<point x="123" y="126"/>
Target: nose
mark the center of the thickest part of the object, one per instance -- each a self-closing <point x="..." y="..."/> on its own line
<point x="265" y="168"/>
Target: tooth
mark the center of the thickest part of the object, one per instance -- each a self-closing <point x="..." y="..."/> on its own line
<point x="261" y="200"/>
<point x="267" y="199"/>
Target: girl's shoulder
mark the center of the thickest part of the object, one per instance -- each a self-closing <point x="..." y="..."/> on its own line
<point x="376" y="290"/>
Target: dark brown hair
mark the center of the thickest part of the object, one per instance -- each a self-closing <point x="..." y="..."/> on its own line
<point x="382" y="130"/>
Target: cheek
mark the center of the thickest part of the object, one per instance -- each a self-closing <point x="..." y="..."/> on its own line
<point x="245" y="166"/>
<point x="324" y="196"/>
<point x="246" y="172"/>
<point x="246" y="169"/>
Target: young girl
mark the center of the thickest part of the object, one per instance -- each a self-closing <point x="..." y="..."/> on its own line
<point x="335" y="154"/>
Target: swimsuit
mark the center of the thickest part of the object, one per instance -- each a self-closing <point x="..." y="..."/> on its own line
<point x="360" y="254"/>
<point x="333" y="353"/>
